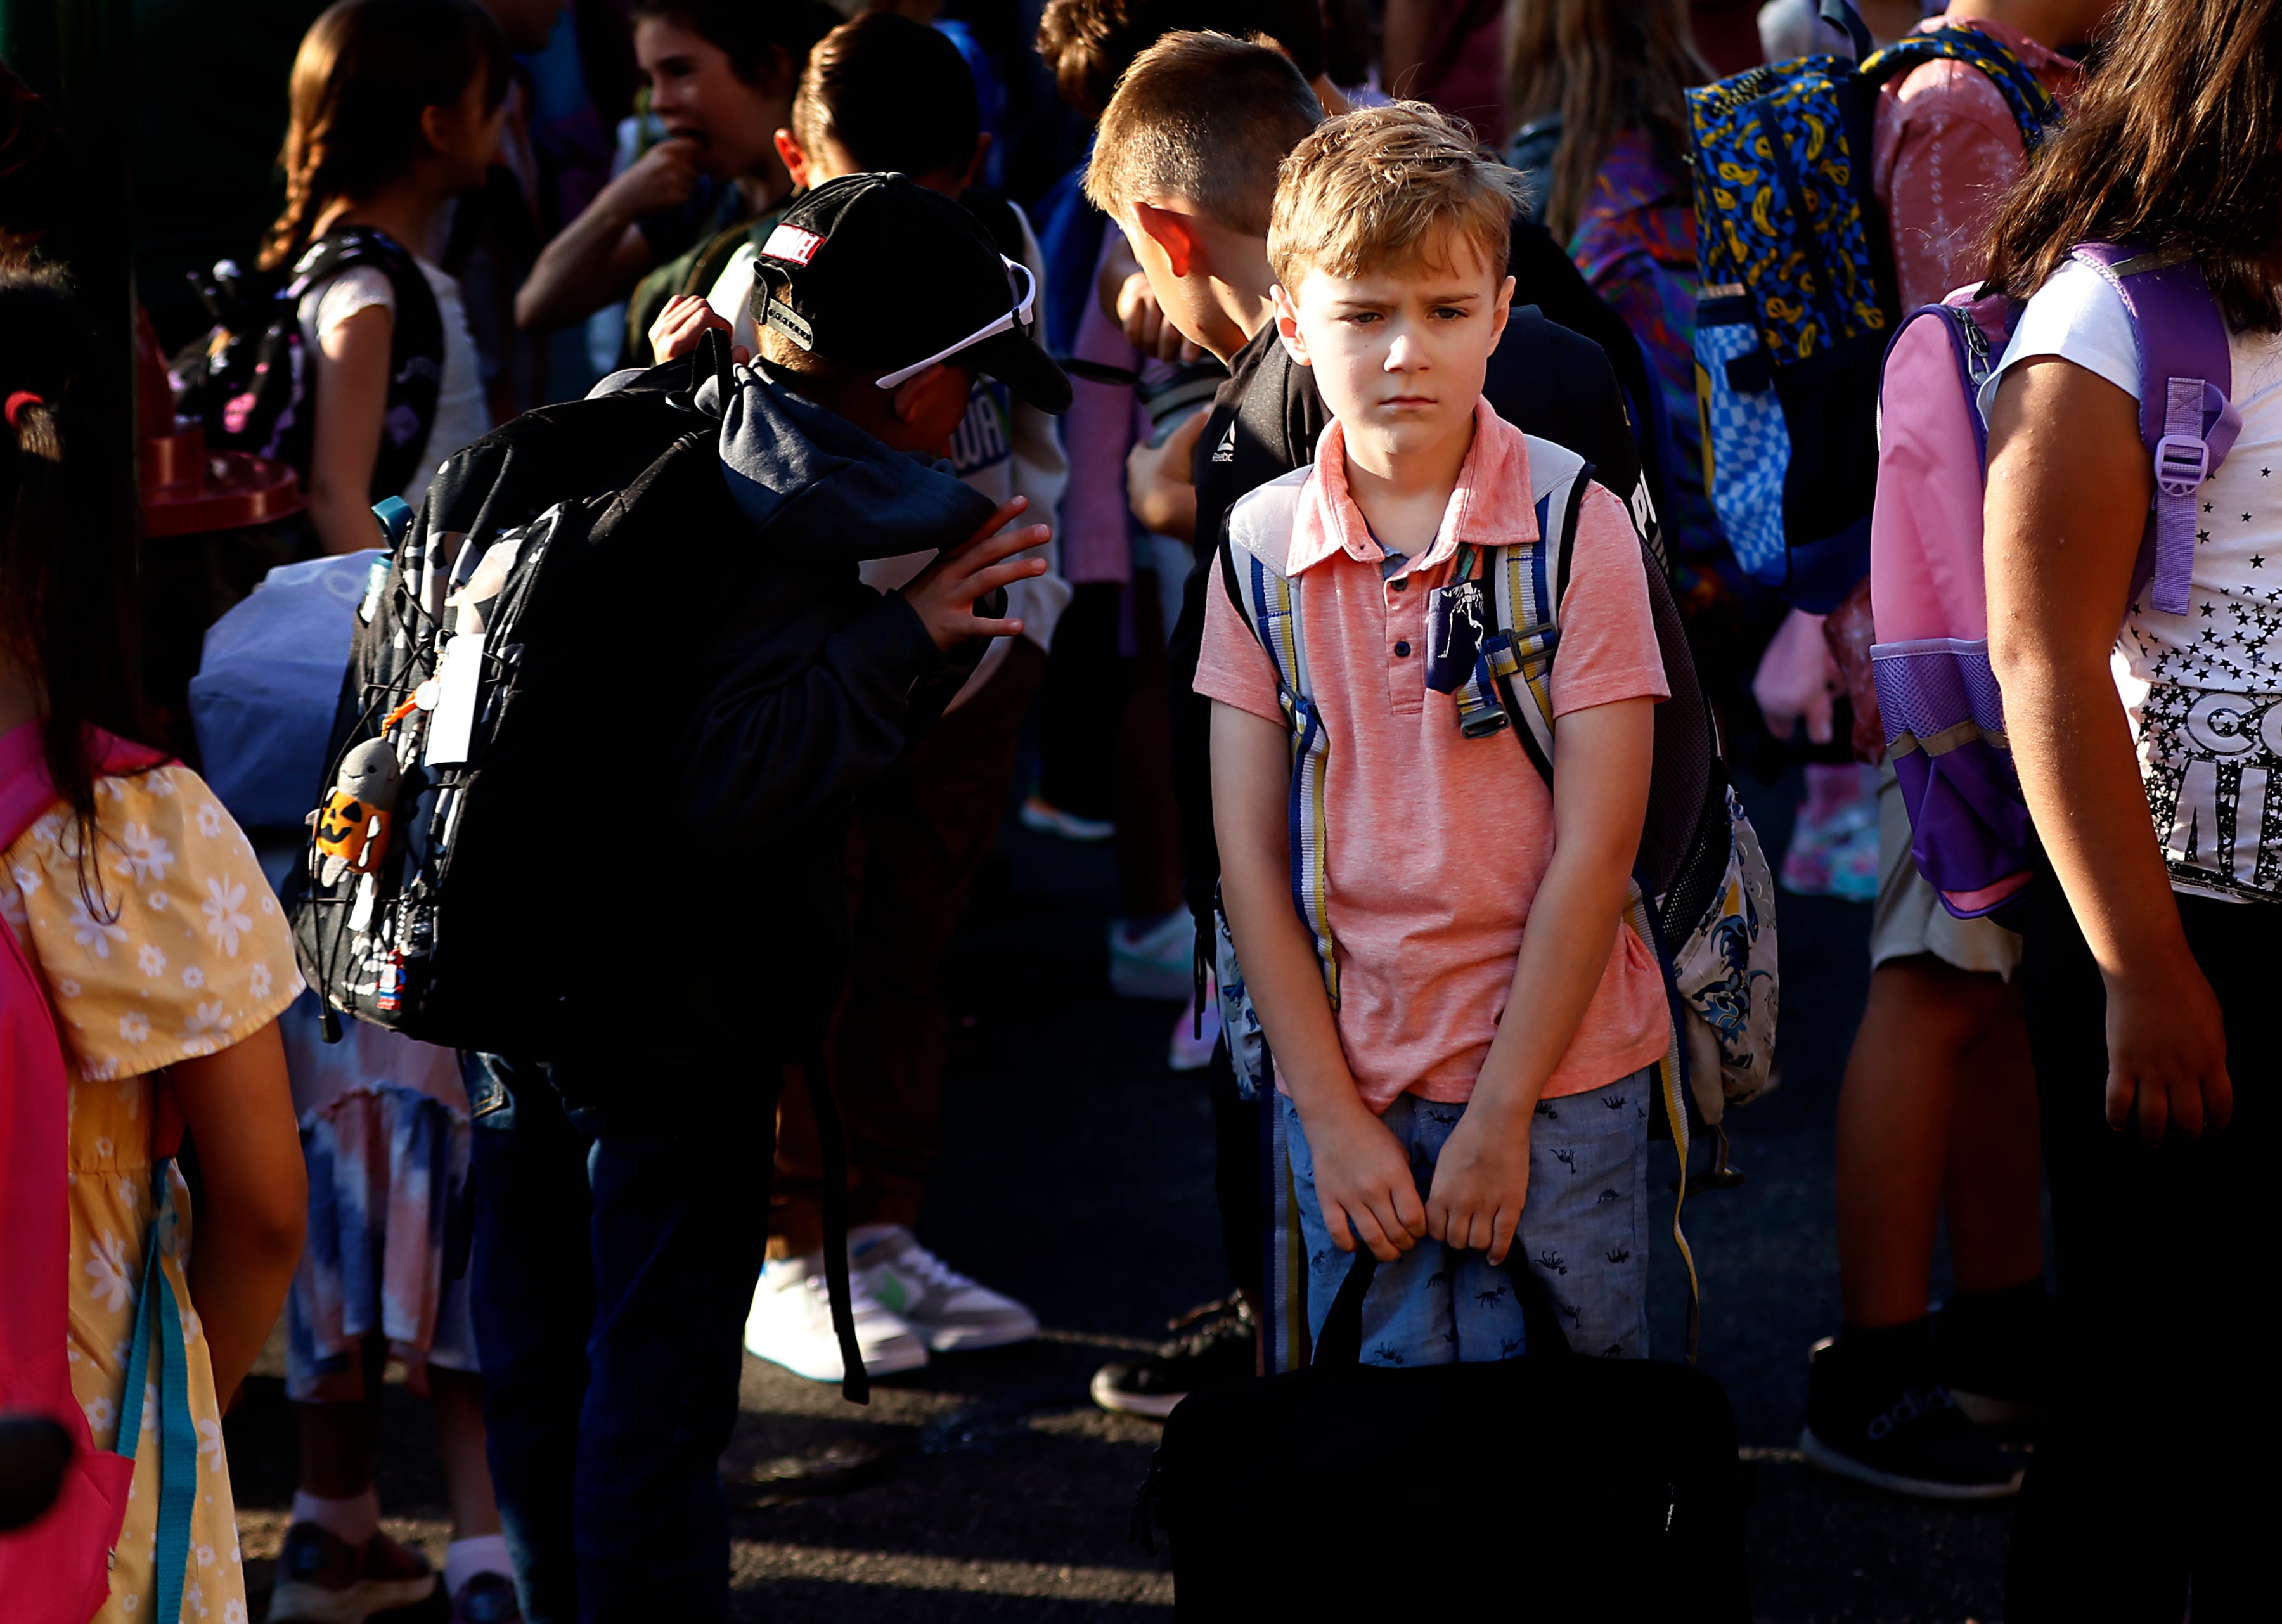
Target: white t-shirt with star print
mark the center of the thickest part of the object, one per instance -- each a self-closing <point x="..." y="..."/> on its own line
<point x="2203" y="690"/>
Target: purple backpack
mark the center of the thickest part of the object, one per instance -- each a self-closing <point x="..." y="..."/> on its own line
<point x="1945" y="716"/>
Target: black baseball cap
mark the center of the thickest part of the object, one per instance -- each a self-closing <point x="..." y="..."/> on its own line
<point x="877" y="272"/>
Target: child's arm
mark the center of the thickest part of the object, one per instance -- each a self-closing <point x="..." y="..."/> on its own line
<point x="352" y="401"/>
<point x="790" y="729"/>
<point x="246" y="1238"/>
<point x="1600" y="799"/>
<point x="1363" y="1178"/>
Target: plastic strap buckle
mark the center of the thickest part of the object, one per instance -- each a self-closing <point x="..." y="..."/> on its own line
<point x="2182" y="463"/>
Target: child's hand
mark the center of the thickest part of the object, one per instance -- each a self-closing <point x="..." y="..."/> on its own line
<point x="1363" y="1179"/>
<point x="944" y="593"/>
<point x="662" y="178"/>
<point x="1146" y="329"/>
<point x="2167" y="1053"/>
<point x="1480" y="1181"/>
<point x="1797" y="678"/>
<point x="687" y="317"/>
<point x="1160" y="481"/>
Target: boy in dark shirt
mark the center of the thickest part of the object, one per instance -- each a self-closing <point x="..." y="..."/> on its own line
<point x="619" y="1200"/>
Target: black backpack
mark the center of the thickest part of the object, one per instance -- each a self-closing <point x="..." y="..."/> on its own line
<point x="250" y="381"/>
<point x="432" y="935"/>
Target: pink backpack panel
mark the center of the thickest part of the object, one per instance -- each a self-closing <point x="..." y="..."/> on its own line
<point x="56" y="1571"/>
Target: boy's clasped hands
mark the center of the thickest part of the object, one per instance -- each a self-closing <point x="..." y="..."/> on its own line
<point x="1364" y="1181"/>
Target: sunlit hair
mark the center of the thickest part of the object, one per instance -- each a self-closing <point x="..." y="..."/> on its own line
<point x="1606" y="66"/>
<point x="1205" y="118"/>
<point x="893" y="93"/>
<point x="366" y="71"/>
<point x="1389" y="188"/>
<point x="1088" y="45"/>
<point x="2175" y="144"/>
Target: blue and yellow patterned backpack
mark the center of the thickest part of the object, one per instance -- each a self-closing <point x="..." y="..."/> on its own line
<point x="1799" y="297"/>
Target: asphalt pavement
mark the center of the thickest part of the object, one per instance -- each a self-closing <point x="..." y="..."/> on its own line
<point x="1076" y="1174"/>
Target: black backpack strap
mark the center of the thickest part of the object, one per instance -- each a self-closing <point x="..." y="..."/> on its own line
<point x="855" y="1381"/>
<point x="416" y="345"/>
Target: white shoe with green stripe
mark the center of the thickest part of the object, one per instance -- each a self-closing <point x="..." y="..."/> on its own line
<point x="944" y="1308"/>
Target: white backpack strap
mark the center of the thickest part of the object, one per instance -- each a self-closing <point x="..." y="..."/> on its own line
<point x="1254" y="550"/>
<point x="1526" y="582"/>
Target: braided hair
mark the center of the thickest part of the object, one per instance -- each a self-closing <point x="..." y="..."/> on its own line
<point x="366" y="71"/>
<point x="66" y="623"/>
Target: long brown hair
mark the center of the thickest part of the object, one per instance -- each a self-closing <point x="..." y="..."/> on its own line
<point x="2175" y="144"/>
<point x="67" y="621"/>
<point x="1605" y="67"/>
<point x="366" y="71"/>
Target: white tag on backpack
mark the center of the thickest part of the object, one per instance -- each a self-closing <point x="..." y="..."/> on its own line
<point x="452" y="729"/>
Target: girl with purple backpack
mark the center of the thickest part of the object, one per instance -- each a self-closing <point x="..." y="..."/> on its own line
<point x="2146" y="758"/>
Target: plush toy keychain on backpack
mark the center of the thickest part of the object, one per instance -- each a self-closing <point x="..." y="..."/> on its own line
<point x="353" y="824"/>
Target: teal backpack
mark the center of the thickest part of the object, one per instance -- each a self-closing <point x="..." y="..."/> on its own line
<point x="1798" y="295"/>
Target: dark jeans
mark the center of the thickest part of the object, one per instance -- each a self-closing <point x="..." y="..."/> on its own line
<point x="2156" y="1479"/>
<point x="616" y="1252"/>
<point x="918" y="835"/>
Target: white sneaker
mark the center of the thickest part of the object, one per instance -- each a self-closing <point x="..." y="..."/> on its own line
<point x="940" y="1304"/>
<point x="791" y="1324"/>
<point x="1153" y="958"/>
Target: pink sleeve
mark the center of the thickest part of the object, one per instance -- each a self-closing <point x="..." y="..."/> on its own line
<point x="1608" y="638"/>
<point x="1096" y="539"/>
<point x="1231" y="666"/>
<point x="1944" y="149"/>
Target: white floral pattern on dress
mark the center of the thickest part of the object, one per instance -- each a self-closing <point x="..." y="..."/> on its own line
<point x="202" y="1026"/>
<point x="142" y="854"/>
<point x="151" y="961"/>
<point x="224" y="908"/>
<point x="107" y="1264"/>
<point x="95" y="935"/>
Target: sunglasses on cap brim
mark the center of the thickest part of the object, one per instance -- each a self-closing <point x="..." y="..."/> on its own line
<point x="1020" y="316"/>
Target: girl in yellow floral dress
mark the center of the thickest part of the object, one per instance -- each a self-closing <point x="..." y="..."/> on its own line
<point x="165" y="960"/>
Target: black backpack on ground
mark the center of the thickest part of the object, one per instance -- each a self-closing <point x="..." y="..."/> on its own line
<point x="1564" y="1487"/>
<point x="251" y="383"/>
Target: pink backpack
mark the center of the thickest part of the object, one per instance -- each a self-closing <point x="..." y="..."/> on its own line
<point x="56" y="1570"/>
<point x="1945" y="716"/>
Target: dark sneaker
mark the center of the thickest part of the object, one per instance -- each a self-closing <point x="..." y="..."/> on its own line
<point x="1220" y="1347"/>
<point x="323" y="1579"/>
<point x="1893" y="1426"/>
<point x="487" y="1598"/>
<point x="1996" y="1353"/>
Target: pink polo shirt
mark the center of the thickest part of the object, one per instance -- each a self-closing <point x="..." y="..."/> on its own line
<point x="1944" y="148"/>
<point x="1436" y="843"/>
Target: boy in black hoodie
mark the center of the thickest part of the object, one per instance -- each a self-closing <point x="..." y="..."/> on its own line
<point x="618" y="1232"/>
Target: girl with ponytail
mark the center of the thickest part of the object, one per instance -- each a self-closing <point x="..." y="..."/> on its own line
<point x="396" y="109"/>
<point x="145" y="964"/>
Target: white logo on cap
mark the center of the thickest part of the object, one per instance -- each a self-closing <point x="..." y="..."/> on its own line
<point x="791" y="243"/>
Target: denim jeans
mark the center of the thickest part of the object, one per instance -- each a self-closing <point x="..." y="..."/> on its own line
<point x="1584" y="1230"/>
<point x="615" y="1251"/>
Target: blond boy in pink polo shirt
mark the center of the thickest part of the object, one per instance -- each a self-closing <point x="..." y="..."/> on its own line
<point x="1443" y="884"/>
